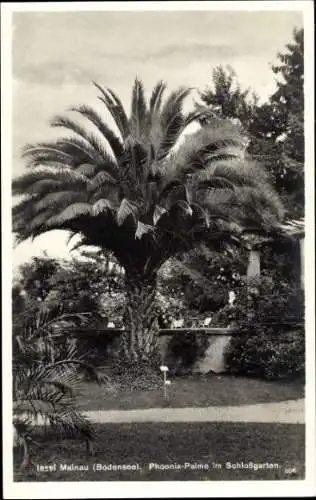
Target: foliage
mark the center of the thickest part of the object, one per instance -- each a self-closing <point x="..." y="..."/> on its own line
<point x="288" y="100"/>
<point x="91" y="282"/>
<point x="140" y="194"/>
<point x="226" y="97"/>
<point x="136" y="377"/>
<point x="265" y="354"/>
<point x="281" y="260"/>
<point x="86" y="286"/>
<point x="46" y="375"/>
<point x="275" y="128"/>
<point x="34" y="277"/>
<point x="144" y="186"/>
<point x="270" y="317"/>
<point x="207" y="276"/>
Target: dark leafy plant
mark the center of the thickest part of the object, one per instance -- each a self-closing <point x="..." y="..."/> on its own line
<point x="271" y="343"/>
<point x="207" y="276"/>
<point x="266" y="354"/>
<point x="47" y="372"/>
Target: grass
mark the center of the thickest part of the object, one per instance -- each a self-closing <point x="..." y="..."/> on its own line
<point x="211" y="390"/>
<point x="192" y="443"/>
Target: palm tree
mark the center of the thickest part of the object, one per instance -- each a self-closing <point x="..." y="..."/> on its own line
<point x="47" y="376"/>
<point x="142" y="191"/>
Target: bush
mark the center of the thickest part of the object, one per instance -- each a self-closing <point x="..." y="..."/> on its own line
<point x="271" y="344"/>
<point x="266" y="354"/>
<point x="134" y="376"/>
<point x="228" y="315"/>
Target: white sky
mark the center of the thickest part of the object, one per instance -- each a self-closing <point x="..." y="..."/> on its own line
<point x="57" y="55"/>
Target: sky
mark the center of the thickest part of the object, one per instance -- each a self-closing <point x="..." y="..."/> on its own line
<point x="57" y="55"/>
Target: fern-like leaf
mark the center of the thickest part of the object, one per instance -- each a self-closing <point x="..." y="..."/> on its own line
<point x="143" y="229"/>
<point x="72" y="212"/>
<point x="126" y="209"/>
<point x="102" y="206"/>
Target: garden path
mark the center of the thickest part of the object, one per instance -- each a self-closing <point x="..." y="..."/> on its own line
<point x="285" y="412"/>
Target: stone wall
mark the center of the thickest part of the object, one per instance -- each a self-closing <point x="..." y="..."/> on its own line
<point x="103" y="344"/>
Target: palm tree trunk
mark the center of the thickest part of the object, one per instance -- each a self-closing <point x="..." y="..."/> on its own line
<point x="139" y="342"/>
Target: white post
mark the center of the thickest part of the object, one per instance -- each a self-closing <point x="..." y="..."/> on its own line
<point x="253" y="269"/>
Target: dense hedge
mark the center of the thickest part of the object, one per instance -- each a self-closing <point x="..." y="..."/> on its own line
<point x="264" y="353"/>
<point x="271" y="343"/>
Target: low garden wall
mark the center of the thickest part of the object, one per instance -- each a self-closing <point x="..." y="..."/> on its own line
<point x="270" y="351"/>
<point x="200" y="350"/>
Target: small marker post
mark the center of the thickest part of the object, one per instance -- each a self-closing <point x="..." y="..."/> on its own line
<point x="166" y="382"/>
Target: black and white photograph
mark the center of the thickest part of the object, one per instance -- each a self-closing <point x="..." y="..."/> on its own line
<point x="158" y="249"/>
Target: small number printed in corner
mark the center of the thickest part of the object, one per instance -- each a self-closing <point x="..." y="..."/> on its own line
<point x="290" y="470"/>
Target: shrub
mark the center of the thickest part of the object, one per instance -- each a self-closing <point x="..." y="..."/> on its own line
<point x="271" y="344"/>
<point x="133" y="376"/>
<point x="228" y="315"/>
<point x="266" y="354"/>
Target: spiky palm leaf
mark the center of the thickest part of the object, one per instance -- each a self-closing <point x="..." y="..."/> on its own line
<point x="136" y="192"/>
<point x="47" y="375"/>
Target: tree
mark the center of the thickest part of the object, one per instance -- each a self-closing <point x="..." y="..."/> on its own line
<point x="288" y="102"/>
<point x="226" y="98"/>
<point x="85" y="283"/>
<point x="275" y="128"/>
<point x="34" y="276"/>
<point x="139" y="194"/>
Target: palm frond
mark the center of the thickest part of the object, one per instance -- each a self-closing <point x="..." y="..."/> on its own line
<point x="102" y="206"/>
<point x="39" y="154"/>
<point x="139" y="109"/>
<point x="46" y="377"/>
<point x="94" y="183"/>
<point x="175" y="191"/>
<point x="113" y="141"/>
<point x="115" y="107"/>
<point x="29" y="183"/>
<point x="45" y="186"/>
<point x="156" y="98"/>
<point x="133" y="163"/>
<point x="92" y="141"/>
<point x="100" y="179"/>
<point x="82" y="151"/>
<point x="126" y="209"/>
<point x="205" y="149"/>
<point x="215" y="182"/>
<point x="71" y="212"/>
<point x="59" y="200"/>
<point x="158" y="212"/>
<point x="172" y="121"/>
<point x="143" y="229"/>
<point x="87" y="169"/>
<point x="83" y="241"/>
